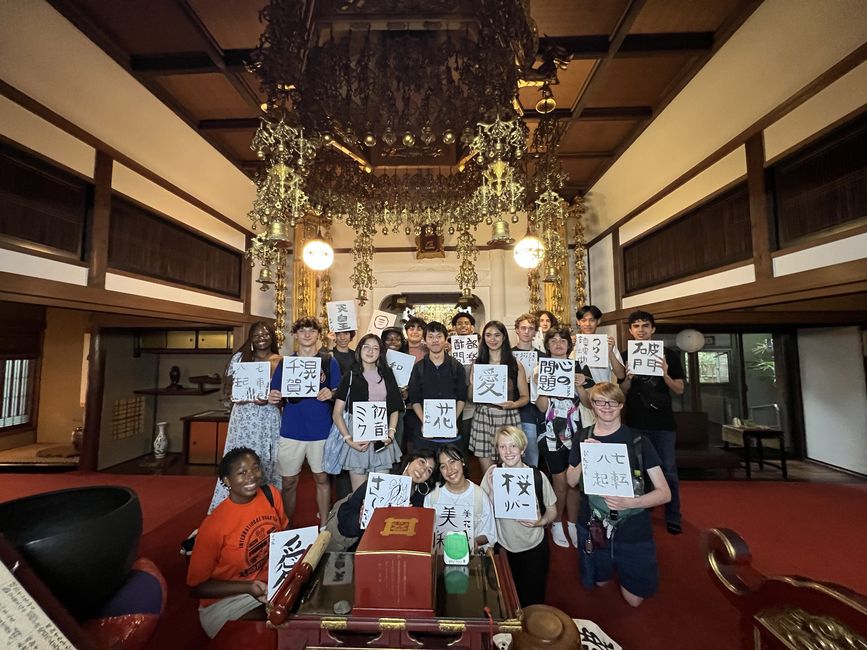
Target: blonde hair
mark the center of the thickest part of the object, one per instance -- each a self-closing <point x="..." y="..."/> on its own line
<point x="607" y="390"/>
<point x="516" y="434"/>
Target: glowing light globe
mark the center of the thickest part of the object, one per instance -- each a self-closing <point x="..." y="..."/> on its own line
<point x="690" y="340"/>
<point x="318" y="254"/>
<point x="529" y="252"/>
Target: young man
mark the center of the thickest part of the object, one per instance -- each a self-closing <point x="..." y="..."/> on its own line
<point x="648" y="409"/>
<point x="306" y="421"/>
<point x="588" y="319"/>
<point x="414" y="335"/>
<point x="342" y="352"/>
<point x="437" y="376"/>
<point x="525" y="329"/>
<point x="464" y="324"/>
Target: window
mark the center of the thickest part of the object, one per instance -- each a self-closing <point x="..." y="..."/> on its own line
<point x="17" y="381"/>
<point x="713" y="367"/>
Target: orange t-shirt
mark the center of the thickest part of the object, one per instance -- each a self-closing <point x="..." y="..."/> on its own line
<point x="232" y="543"/>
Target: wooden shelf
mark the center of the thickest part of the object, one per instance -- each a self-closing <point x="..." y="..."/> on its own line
<point x="179" y="392"/>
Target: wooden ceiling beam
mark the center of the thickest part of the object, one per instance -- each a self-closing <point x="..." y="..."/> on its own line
<point x="228" y="124"/>
<point x="189" y="62"/>
<point x="597" y="46"/>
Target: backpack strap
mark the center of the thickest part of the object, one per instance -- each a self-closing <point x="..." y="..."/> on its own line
<point x="537" y="482"/>
<point x="266" y="490"/>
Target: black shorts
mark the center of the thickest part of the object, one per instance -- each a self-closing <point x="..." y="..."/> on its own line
<point x="557" y="461"/>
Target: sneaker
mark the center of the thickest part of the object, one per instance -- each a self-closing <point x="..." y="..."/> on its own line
<point x="572" y="529"/>
<point x="674" y="529"/>
<point x="558" y="535"/>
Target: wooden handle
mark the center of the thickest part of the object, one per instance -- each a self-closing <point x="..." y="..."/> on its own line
<point x="288" y="593"/>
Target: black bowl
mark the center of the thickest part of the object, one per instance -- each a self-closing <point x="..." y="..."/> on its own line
<point x="80" y="542"/>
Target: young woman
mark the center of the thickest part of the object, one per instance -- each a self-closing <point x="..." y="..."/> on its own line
<point x="524" y="540"/>
<point x="368" y="380"/>
<point x="562" y="422"/>
<point x="546" y="321"/>
<point x="394" y="339"/>
<point x="494" y="349"/>
<point x="419" y="465"/>
<point x="630" y="548"/>
<point x="255" y="424"/>
<point x="456" y="490"/>
<point x="229" y="566"/>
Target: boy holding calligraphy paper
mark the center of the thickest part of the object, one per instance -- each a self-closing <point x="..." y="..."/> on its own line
<point x="614" y="532"/>
<point x="523" y="539"/>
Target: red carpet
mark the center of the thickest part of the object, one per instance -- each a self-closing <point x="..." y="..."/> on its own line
<point x="792" y="528"/>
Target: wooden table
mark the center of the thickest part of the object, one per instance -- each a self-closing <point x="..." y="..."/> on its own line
<point x="747" y="437"/>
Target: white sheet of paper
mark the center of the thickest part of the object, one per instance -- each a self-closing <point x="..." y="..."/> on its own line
<point x="379" y="321"/>
<point x="384" y="490"/>
<point x="591" y="350"/>
<point x="338" y="569"/>
<point x="465" y="348"/>
<point x="25" y="624"/>
<point x="556" y="377"/>
<point x="251" y="380"/>
<point x="439" y="418"/>
<point x="301" y="376"/>
<point x="285" y="548"/>
<point x="369" y="421"/>
<point x="645" y="358"/>
<point x="453" y="517"/>
<point x="401" y="365"/>
<point x="341" y="315"/>
<point x="528" y="359"/>
<point x="515" y="493"/>
<point x="605" y="469"/>
<point x="593" y="636"/>
<point x="490" y="384"/>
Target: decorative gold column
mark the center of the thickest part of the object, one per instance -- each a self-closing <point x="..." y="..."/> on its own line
<point x="304" y="285"/>
<point x="535" y="294"/>
<point x="280" y="297"/>
<point x="576" y="213"/>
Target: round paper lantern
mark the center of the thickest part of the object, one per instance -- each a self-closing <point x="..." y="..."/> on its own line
<point x="318" y="254"/>
<point x="529" y="252"/>
<point x="690" y="340"/>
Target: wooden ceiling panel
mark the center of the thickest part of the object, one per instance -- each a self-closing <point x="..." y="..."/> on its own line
<point x="207" y="96"/>
<point x="581" y="170"/>
<point x="576" y="17"/>
<point x="637" y="81"/>
<point x="237" y="142"/>
<point x="666" y="16"/>
<point x="140" y="28"/>
<point x="595" y="135"/>
<point x="234" y="24"/>
<point x="572" y="81"/>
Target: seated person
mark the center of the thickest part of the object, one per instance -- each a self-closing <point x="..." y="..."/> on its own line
<point x="229" y="566"/>
<point x="455" y="489"/>
<point x="524" y="540"/>
<point x="625" y="538"/>
<point x="419" y="465"/>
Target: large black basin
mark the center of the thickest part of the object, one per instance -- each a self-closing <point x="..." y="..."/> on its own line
<point x="80" y="542"/>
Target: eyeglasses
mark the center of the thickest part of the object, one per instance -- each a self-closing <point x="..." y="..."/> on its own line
<point x="370" y="348"/>
<point x="608" y="403"/>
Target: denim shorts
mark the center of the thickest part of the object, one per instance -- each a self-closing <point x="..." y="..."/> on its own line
<point x="635" y="563"/>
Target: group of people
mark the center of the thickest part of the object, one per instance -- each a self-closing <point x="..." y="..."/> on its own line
<point x="269" y="440"/>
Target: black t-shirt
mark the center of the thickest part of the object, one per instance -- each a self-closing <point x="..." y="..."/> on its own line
<point x="648" y="402"/>
<point x="637" y="527"/>
<point x="344" y="359"/>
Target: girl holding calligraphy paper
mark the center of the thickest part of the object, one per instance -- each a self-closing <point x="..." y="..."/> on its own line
<point x="524" y="540"/>
<point x="494" y="348"/>
<point x="562" y="422"/>
<point x="368" y="380"/>
<point x="254" y="424"/>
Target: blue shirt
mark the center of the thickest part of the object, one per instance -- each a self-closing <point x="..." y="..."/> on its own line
<point x="308" y="419"/>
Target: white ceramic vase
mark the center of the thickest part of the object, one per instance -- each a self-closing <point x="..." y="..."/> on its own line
<point x="161" y="440"/>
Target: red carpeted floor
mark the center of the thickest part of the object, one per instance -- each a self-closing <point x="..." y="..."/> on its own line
<point x="792" y="528"/>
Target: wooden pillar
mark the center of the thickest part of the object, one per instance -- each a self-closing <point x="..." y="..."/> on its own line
<point x="97" y="247"/>
<point x="759" y="213"/>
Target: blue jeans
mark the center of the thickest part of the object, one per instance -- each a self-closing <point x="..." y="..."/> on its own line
<point x="531" y="453"/>
<point x="663" y="442"/>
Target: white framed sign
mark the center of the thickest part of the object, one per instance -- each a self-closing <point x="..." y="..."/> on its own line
<point x="465" y="348"/>
<point x="301" y="376"/>
<point x="454" y="517"/>
<point x="341" y="315"/>
<point x="384" y="490"/>
<point x="605" y="469"/>
<point x="591" y="350"/>
<point x="440" y="420"/>
<point x="369" y="421"/>
<point x="556" y="377"/>
<point x="528" y="359"/>
<point x="251" y="380"/>
<point x="645" y="358"/>
<point x="379" y="321"/>
<point x="515" y="493"/>
<point x="490" y="383"/>
<point x="401" y="365"/>
<point x="285" y="549"/>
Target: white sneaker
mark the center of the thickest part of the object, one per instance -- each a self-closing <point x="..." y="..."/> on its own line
<point x="572" y="529"/>
<point x="558" y="535"/>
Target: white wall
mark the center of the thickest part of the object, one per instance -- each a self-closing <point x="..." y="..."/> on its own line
<point x="835" y="396"/>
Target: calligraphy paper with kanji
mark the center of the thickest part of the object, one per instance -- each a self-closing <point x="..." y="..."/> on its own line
<point x="490" y="384"/>
<point x="379" y="321"/>
<point x="251" y="380"/>
<point x="384" y="490"/>
<point x="605" y="469"/>
<point x="528" y="359"/>
<point x="514" y="493"/>
<point x="369" y="421"/>
<point x="465" y="348"/>
<point x="454" y="515"/>
<point x="645" y="358"/>
<point x="285" y="548"/>
<point x="591" y="350"/>
<point x="556" y="377"/>
<point x="301" y="376"/>
<point x="401" y="365"/>
<point x="338" y="569"/>
<point x="440" y="420"/>
<point x="341" y="315"/>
